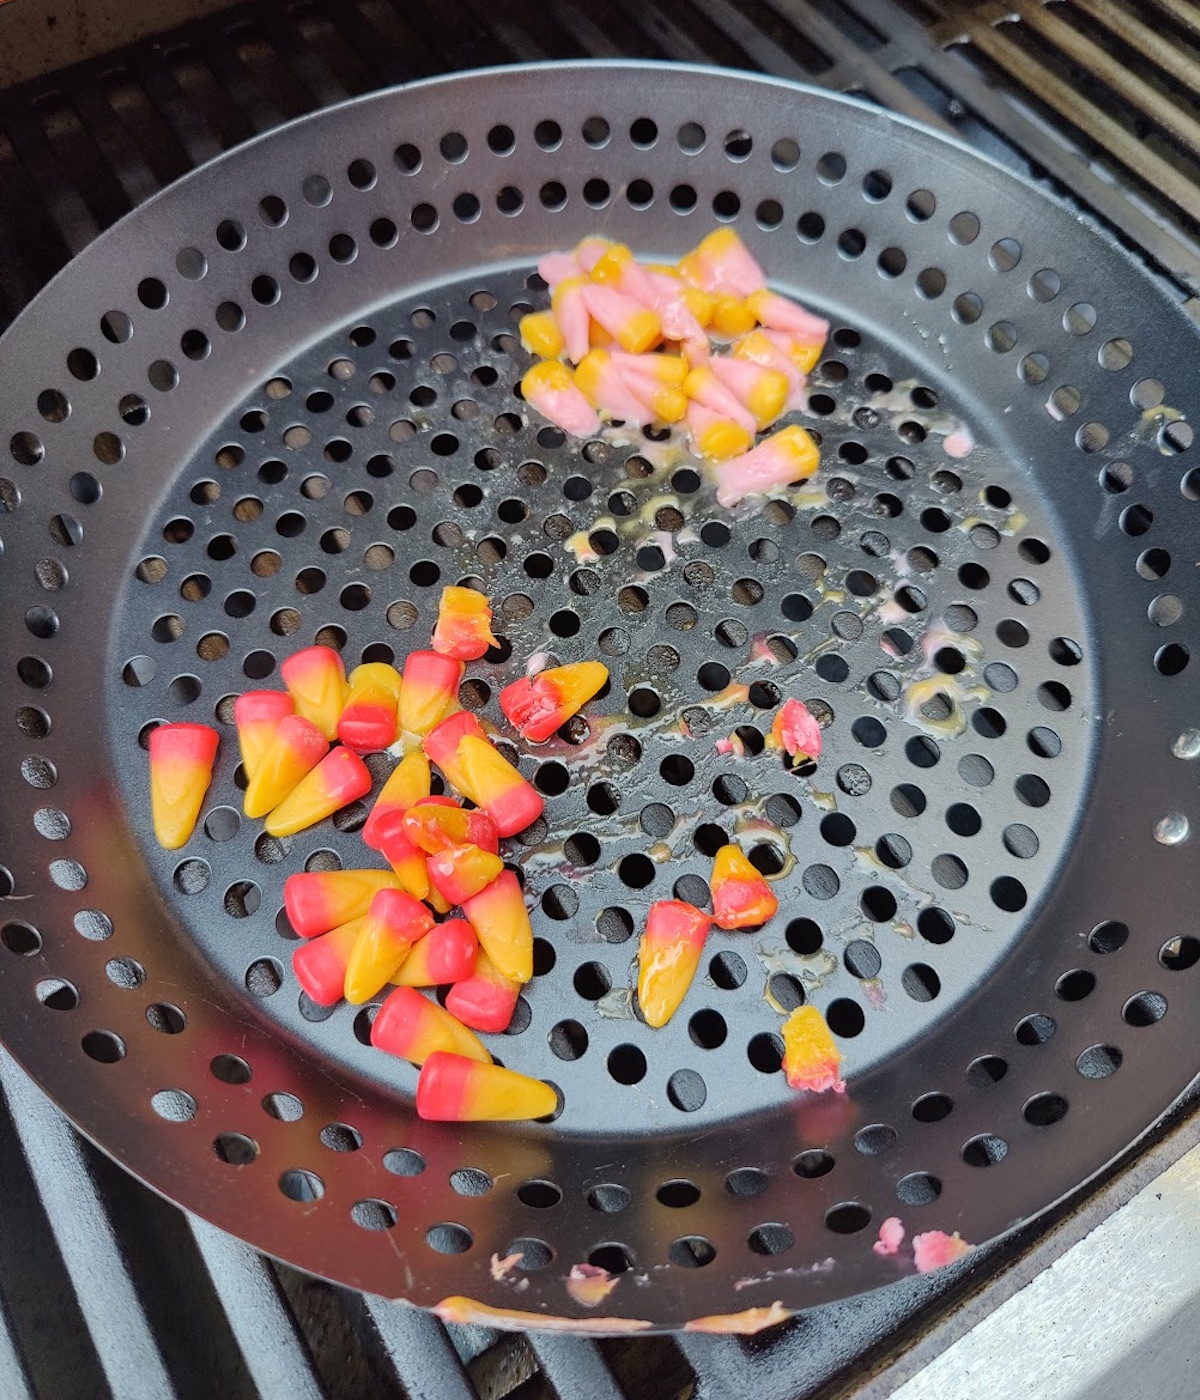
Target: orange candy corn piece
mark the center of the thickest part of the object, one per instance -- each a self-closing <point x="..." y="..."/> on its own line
<point x="368" y="719"/>
<point x="407" y="784"/>
<point x="447" y="953"/>
<point x="318" y="900"/>
<point x="257" y="714"/>
<point x="393" y="923"/>
<point x="668" y="956"/>
<point x="181" y="764"/>
<point x="413" y="1027"/>
<point x="501" y="922"/>
<point x="429" y="690"/>
<point x="320" y="964"/>
<point x="464" y="624"/>
<point x="485" y="1000"/>
<point x="436" y="826"/>
<point x="741" y="896"/>
<point x="810" y="1057"/>
<point x="460" y="872"/>
<point x="451" y="1089"/>
<point x="316" y="681"/>
<point x="296" y="749"/>
<point x="340" y="778"/>
<point x="536" y="706"/>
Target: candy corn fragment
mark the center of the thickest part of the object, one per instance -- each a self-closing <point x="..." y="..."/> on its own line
<point x="429" y="691"/>
<point x="256" y="715"/>
<point x="393" y="923"/>
<point x="540" y="333"/>
<point x="181" y="764"/>
<point x="296" y="749"/>
<point x="741" y="896"/>
<point x="451" y="1089"/>
<point x="320" y="964"/>
<point x="549" y="386"/>
<point x="413" y="1027"/>
<point x="668" y="955"/>
<point x="317" y="900"/>
<point x="484" y="1000"/>
<point x="464" y="622"/>
<point x="501" y="923"/>
<point x="796" y="732"/>
<point x="439" y="826"/>
<point x="785" y="457"/>
<point x="340" y="778"/>
<point x="932" y="1250"/>
<point x="407" y="784"/>
<point x="538" y="705"/>
<point x="316" y="681"/>
<point x="448" y="953"/>
<point x="721" y="262"/>
<point x="811" y="1060"/>
<point x="368" y="719"/>
<point x="459" y="872"/>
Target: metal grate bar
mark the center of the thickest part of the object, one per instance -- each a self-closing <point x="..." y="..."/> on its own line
<point x="574" y="1366"/>
<point x="1150" y="43"/>
<point x="416" y="1345"/>
<point x="14" y="1382"/>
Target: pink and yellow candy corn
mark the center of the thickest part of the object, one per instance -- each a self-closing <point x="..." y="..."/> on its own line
<point x="453" y="1089"/>
<point x="663" y="403"/>
<point x="464" y="622"/>
<point x="460" y="872"/>
<point x="634" y="327"/>
<point x="571" y="313"/>
<point x="550" y="388"/>
<point x="394" y="922"/>
<point x="501" y="923"/>
<point x="796" y="732"/>
<point x="589" y="251"/>
<point x="779" y="314"/>
<point x="413" y="1027"/>
<point x="316" y="681"/>
<point x="803" y="351"/>
<point x="317" y="900"/>
<point x="762" y="391"/>
<point x="536" y="706"/>
<point x="181" y="764"/>
<point x="407" y="784"/>
<point x="668" y="955"/>
<point x="669" y="370"/>
<point x="785" y="457"/>
<point x="429" y="690"/>
<point x="438" y="826"/>
<point x="758" y="348"/>
<point x="320" y="964"/>
<point x="598" y="378"/>
<point x="296" y="749"/>
<point x="730" y="317"/>
<point x="741" y="896"/>
<point x="447" y="953"/>
<point x="368" y="719"/>
<point x="257" y="714"/>
<point x="482" y="774"/>
<point x="484" y="1000"/>
<point x="340" y="778"/>
<point x="811" y="1060"/>
<point x="540" y="333"/>
<point x="703" y="387"/>
<point x="716" y="437"/>
<point x="721" y="262"/>
<point x="555" y="267"/>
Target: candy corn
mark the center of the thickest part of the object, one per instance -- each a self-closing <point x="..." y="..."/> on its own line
<point x="447" y="953"/>
<point x="556" y="267"/>
<point x="668" y="956"/>
<point x="634" y="327"/>
<point x="318" y="900"/>
<point x="549" y="386"/>
<point x="598" y="378"/>
<point x="368" y="719"/>
<point x="501" y="923"/>
<point x="741" y="896"/>
<point x="482" y="774"/>
<point x="590" y="250"/>
<point x="540" y="333"/>
<point x="779" y="314"/>
<point x="393" y="923"/>
<point x="762" y="391"/>
<point x="485" y="1000"/>
<point x="453" y="1089"/>
<point x="538" y="705"/>
<point x="439" y="826"/>
<point x="320" y="964"/>
<point x="435" y="899"/>
<point x="571" y="313"/>
<point x="464" y="624"/>
<point x="407" y="784"/>
<point x="803" y="351"/>
<point x="340" y="778"/>
<point x="181" y="764"/>
<point x="786" y="456"/>
<point x="429" y="690"/>
<point x="296" y="749"/>
<point x="730" y="317"/>
<point x="721" y="262"/>
<point x="413" y="1027"/>
<point x="459" y="872"/>
<point x="316" y="681"/>
<point x="717" y="437"/>
<point x="405" y="859"/>
<point x="810" y="1058"/>
<point x="796" y="732"/>
<point x="760" y="349"/>
<point x="256" y="714"/>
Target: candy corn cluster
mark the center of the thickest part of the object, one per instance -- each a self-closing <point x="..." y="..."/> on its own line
<point x="702" y="342"/>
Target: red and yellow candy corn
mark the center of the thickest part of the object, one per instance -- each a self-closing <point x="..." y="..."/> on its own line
<point x="340" y="778"/>
<point x="550" y="388"/>
<point x="485" y="1000"/>
<point x="396" y="847"/>
<point x="316" y="681"/>
<point x="413" y="1027"/>
<point x="538" y="705"/>
<point x="452" y="1089"/>
<point x="320" y="964"/>
<point x="810" y="1058"/>
<point x="368" y="719"/>
<point x="464" y="622"/>
<point x="429" y="691"/>
<point x="634" y="327"/>
<point x="257" y="714"/>
<point x="460" y="872"/>
<point x="721" y="262"/>
<point x="501" y="923"/>
<point x="482" y="774"/>
<point x="741" y="897"/>
<point x="435" y="899"/>
<point x="296" y="749"/>
<point x="447" y="953"/>
<point x="668" y="955"/>
<point x="786" y="456"/>
<point x="407" y="784"/>
<point x="181" y="764"/>
<point x="438" y="826"/>
<point x="317" y="900"/>
<point x="394" y="922"/>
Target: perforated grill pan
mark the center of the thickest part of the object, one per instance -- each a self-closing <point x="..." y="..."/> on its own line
<point x="276" y="405"/>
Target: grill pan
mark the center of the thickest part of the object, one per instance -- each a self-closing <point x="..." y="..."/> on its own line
<point x="275" y="405"/>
